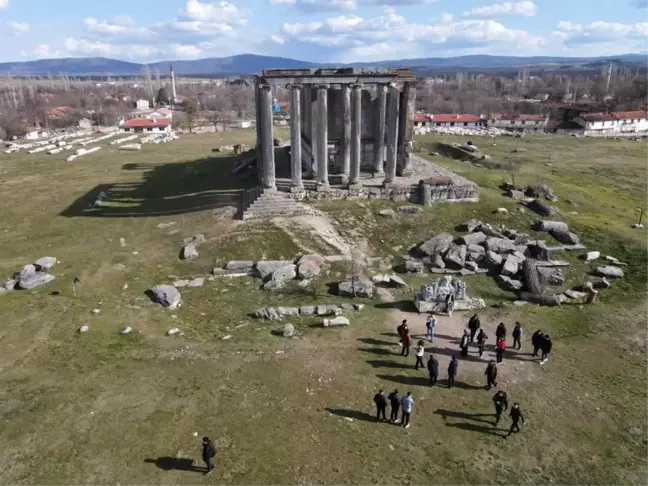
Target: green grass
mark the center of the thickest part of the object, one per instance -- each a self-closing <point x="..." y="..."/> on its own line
<point x="102" y="408"/>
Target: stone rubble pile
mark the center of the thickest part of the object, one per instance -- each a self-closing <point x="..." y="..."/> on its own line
<point x="466" y="131"/>
<point x="31" y="276"/>
<point x="517" y="261"/>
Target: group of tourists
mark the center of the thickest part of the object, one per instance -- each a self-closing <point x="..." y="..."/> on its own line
<point x="473" y="334"/>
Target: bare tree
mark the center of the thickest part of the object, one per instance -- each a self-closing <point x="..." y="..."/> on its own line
<point x="513" y="167"/>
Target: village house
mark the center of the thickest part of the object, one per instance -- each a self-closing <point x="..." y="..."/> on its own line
<point x="448" y="120"/>
<point x="146" y="125"/>
<point x="620" y="122"/>
<point x="142" y="104"/>
<point x="153" y="113"/>
<point x="518" y="123"/>
<point x="60" y="112"/>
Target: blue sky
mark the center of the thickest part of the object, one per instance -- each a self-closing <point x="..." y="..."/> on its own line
<point x="319" y="30"/>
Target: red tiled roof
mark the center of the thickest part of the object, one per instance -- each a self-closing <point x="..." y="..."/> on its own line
<point x="500" y="116"/>
<point x="421" y="117"/>
<point x="619" y="115"/>
<point x="458" y="118"/>
<point x="146" y="123"/>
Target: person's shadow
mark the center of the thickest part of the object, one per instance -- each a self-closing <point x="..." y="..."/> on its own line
<point x="177" y="463"/>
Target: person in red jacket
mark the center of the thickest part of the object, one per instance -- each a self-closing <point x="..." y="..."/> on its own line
<point x="499" y="351"/>
<point x="407" y="342"/>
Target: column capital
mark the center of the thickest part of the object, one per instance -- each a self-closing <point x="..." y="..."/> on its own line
<point x="294" y="86"/>
<point x="322" y="86"/>
<point x="265" y="86"/>
<point x="357" y="86"/>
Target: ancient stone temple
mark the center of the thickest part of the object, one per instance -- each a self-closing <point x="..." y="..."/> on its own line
<point x="343" y="122"/>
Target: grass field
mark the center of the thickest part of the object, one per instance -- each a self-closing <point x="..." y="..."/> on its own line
<point x="100" y="407"/>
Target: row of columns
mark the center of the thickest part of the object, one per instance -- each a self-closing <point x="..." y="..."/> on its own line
<point x="389" y="103"/>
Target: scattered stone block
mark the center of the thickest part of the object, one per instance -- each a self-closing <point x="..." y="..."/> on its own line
<point x="287" y="311"/>
<point x="410" y="209"/>
<point x="346" y="306"/>
<point x="609" y="271"/>
<point x="387" y="213"/>
<point x="551" y="275"/>
<point x="337" y="321"/>
<point x="27" y="271"/>
<point x="355" y="287"/>
<point x="499" y="245"/>
<point x="542" y="191"/>
<point x="45" y="263"/>
<point x="509" y="284"/>
<point x="165" y="295"/>
<point x="574" y="294"/>
<point x="501" y="211"/>
<point x="512" y="264"/>
<point x="515" y="194"/>
<point x="472" y="239"/>
<point x="189" y="252"/>
<point x="34" y="280"/>
<point x="181" y="283"/>
<point x="308" y="269"/>
<point x="196" y="282"/>
<point x="472" y="266"/>
<point x="280" y="277"/>
<point x="318" y="259"/>
<point x="126" y="330"/>
<point x="9" y="284"/>
<point x="174" y="331"/>
<point x="550" y="226"/>
<point x="195" y="240"/>
<point x="307" y="310"/>
<point x="305" y="283"/>
<point x="321" y="310"/>
<point x="265" y="268"/>
<point x="541" y="208"/>
<point x="84" y="329"/>
<point x="456" y="257"/>
<point x="615" y="261"/>
<point x="565" y="237"/>
<point x="273" y="315"/>
<point x="243" y="265"/>
<point x="396" y="280"/>
<point x="470" y="225"/>
<point x="288" y="330"/>
<point x="414" y="266"/>
<point x="436" y="245"/>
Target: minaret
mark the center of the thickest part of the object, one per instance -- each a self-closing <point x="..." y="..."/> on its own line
<point x="173" y="88"/>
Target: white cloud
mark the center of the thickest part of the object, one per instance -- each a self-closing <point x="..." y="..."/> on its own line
<point x="278" y="39"/>
<point x="85" y="46"/>
<point x="601" y="32"/>
<point x="4" y="4"/>
<point x="218" y="12"/>
<point x="18" y="27"/>
<point x="45" y="51"/>
<point x="312" y="6"/>
<point x="298" y="29"/>
<point x="446" y="18"/>
<point x="525" y="8"/>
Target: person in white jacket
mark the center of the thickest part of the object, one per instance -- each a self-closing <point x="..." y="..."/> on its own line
<point x="420" y="350"/>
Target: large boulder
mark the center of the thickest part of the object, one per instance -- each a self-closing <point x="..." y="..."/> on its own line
<point x="492" y="259"/>
<point x="609" y="271"/>
<point x="243" y="265"/>
<point x="472" y="238"/>
<point x="308" y="269"/>
<point x="45" y="263"/>
<point x="551" y="275"/>
<point x="507" y="283"/>
<point x="165" y="295"/>
<point x="265" y="268"/>
<point x="288" y="330"/>
<point x="280" y="277"/>
<point x="34" y="280"/>
<point x="355" y="287"/>
<point x="499" y="245"/>
<point x="437" y="245"/>
<point x="336" y="321"/>
<point x="456" y="257"/>
<point x="27" y="271"/>
<point x="311" y="257"/>
<point x="565" y="237"/>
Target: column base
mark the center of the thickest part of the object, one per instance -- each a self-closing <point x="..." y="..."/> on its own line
<point x="355" y="185"/>
<point x="407" y="173"/>
<point x="344" y="178"/>
<point x="270" y="188"/>
<point x="389" y="183"/>
<point x="323" y="187"/>
<point x="297" y="188"/>
<point x="379" y="174"/>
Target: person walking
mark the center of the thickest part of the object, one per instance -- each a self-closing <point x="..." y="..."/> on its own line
<point x="407" y="403"/>
<point x="465" y="341"/>
<point x="407" y="342"/>
<point x="450" y="304"/>
<point x="499" y="350"/>
<point x="394" y="401"/>
<point x="517" y="336"/>
<point x="433" y="368"/>
<point x="500" y="332"/>
<point x="545" y="347"/>
<point x="474" y="325"/>
<point x="516" y="417"/>
<point x="401" y="330"/>
<point x="420" y="350"/>
<point x="430" y="325"/>
<point x="481" y="341"/>
<point x="208" y="453"/>
<point x="500" y="399"/>
<point x="536" y="339"/>
<point x="491" y="375"/>
<point x="381" y="405"/>
<point x="452" y="371"/>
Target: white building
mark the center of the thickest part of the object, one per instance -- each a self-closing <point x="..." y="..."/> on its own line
<point x="518" y="123"/>
<point x="448" y="120"/>
<point x="146" y="125"/>
<point x="619" y="122"/>
<point x="142" y="104"/>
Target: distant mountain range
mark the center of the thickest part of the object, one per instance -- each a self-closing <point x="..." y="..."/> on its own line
<point x="251" y="63"/>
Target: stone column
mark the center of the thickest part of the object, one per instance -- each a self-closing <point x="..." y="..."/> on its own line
<point x="267" y="140"/>
<point x="295" y="139"/>
<point x="379" y="142"/>
<point x="406" y="129"/>
<point x="356" y="136"/>
<point x="257" y="148"/>
<point x="346" y="135"/>
<point x="322" y="138"/>
<point x="392" y="134"/>
<point x="312" y="102"/>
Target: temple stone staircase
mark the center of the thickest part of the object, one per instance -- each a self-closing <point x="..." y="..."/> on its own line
<point x="263" y="203"/>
